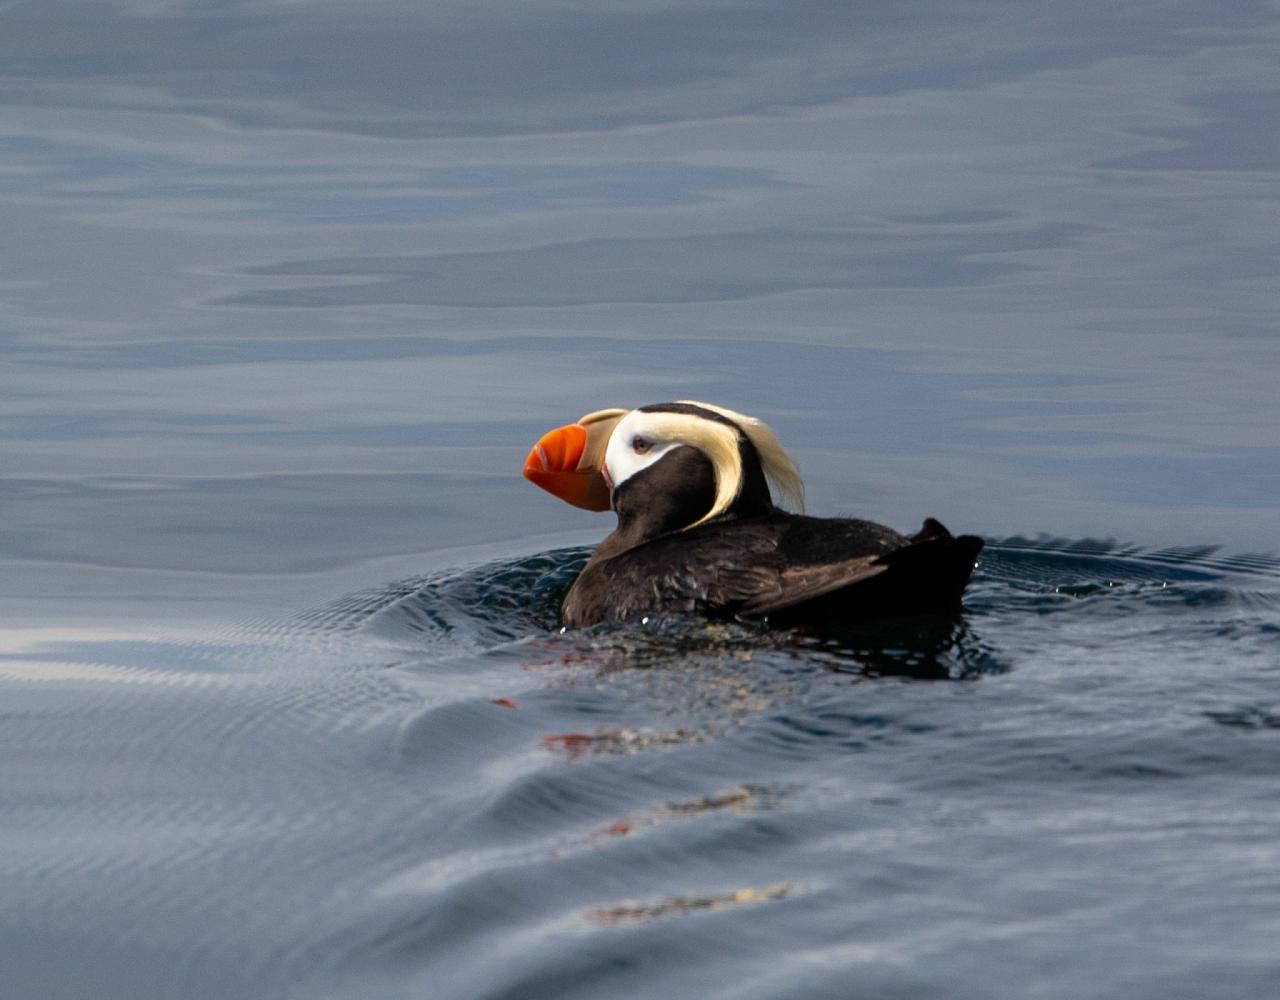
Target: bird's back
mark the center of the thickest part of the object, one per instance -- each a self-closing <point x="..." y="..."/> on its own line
<point x="789" y="569"/>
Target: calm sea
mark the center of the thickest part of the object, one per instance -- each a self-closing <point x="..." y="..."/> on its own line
<point x="289" y="287"/>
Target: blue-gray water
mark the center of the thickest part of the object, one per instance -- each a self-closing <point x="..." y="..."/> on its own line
<point x="288" y="289"/>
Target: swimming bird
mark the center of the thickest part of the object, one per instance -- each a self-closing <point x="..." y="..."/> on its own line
<point x="699" y="533"/>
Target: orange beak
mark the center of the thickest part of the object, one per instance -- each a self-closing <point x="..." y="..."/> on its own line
<point x="569" y="461"/>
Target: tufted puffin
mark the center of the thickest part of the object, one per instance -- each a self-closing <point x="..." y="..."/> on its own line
<point x="698" y="531"/>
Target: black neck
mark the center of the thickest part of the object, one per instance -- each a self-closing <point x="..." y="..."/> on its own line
<point x="675" y="492"/>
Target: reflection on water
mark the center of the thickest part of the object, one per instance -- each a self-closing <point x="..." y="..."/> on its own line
<point x="287" y="291"/>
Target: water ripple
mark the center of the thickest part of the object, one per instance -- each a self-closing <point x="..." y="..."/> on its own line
<point x="441" y="772"/>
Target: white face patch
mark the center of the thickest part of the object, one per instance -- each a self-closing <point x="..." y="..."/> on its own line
<point x="640" y="439"/>
<point x="636" y="444"/>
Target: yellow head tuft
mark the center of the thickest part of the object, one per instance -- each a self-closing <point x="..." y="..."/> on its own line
<point x="780" y="471"/>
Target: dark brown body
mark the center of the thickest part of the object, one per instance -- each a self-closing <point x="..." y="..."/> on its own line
<point x="784" y="568"/>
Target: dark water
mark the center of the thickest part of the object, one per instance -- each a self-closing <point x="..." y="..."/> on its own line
<point x="425" y="790"/>
<point x="287" y="290"/>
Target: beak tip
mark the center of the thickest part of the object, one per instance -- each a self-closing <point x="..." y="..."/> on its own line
<point x="558" y="463"/>
<point x="535" y="462"/>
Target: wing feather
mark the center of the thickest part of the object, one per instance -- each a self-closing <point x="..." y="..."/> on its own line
<point x="776" y="565"/>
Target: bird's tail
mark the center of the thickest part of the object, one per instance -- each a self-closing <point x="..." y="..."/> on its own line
<point x="932" y="572"/>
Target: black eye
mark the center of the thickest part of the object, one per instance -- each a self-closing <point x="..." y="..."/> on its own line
<point x="640" y="445"/>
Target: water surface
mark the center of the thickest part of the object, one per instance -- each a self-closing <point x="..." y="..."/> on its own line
<point x="287" y="292"/>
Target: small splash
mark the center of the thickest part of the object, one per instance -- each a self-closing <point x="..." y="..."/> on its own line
<point x="470" y="607"/>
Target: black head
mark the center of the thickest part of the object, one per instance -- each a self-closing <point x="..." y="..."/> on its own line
<point x="675" y="465"/>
